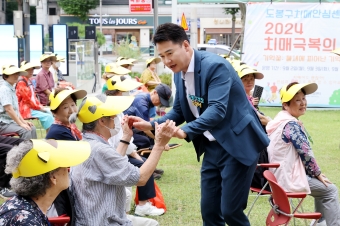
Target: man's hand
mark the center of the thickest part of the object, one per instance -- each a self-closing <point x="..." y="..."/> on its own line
<point x="25" y="126"/>
<point x="180" y="134"/>
<point x="139" y="123"/>
<point x="164" y="133"/>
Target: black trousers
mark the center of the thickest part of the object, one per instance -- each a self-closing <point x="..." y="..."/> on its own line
<point x="6" y="144"/>
<point x="141" y="140"/>
<point x="148" y="190"/>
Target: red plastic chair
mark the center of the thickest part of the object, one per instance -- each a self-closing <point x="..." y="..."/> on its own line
<point x="262" y="191"/>
<point x="10" y="135"/>
<point x="63" y="219"/>
<point x="281" y="210"/>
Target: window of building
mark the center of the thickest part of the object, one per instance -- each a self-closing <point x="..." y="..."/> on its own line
<point x="52" y="11"/>
<point x="3" y="2"/>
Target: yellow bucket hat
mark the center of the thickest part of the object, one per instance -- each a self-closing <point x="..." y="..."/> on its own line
<point x="336" y="51"/>
<point x="244" y="70"/>
<point x="48" y="155"/>
<point x="61" y="96"/>
<point x="60" y="59"/>
<point x="112" y="106"/>
<point x="116" y="69"/>
<point x="115" y="83"/>
<point x="156" y="59"/>
<point x="124" y="62"/>
<point x="287" y="95"/>
<point x="46" y="56"/>
<point x="11" y="69"/>
<point x="27" y="65"/>
<point x="121" y="58"/>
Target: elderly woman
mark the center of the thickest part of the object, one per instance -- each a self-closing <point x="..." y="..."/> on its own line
<point x="44" y="78"/>
<point x="116" y="85"/>
<point x="63" y="102"/>
<point x="113" y="69"/>
<point x="29" y="105"/>
<point x="10" y="119"/>
<point x="101" y="180"/>
<point x="40" y="173"/>
<point x="290" y="146"/>
<point x="149" y="76"/>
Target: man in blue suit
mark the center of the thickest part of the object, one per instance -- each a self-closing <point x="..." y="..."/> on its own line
<point x="220" y="122"/>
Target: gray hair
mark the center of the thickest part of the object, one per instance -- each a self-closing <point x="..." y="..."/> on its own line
<point x="91" y="125"/>
<point x="26" y="186"/>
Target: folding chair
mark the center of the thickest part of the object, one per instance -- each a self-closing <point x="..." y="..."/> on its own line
<point x="281" y="210"/>
<point x="63" y="219"/>
<point x="262" y="191"/>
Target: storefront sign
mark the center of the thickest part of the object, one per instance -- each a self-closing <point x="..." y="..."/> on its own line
<point x="293" y="42"/>
<point x="122" y="21"/>
<point x="140" y="6"/>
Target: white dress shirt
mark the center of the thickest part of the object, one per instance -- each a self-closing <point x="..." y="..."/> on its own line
<point x="189" y="82"/>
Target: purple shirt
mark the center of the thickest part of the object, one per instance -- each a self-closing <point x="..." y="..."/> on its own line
<point x="44" y="81"/>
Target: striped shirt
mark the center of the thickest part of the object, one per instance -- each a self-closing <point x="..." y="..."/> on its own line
<point x="98" y="185"/>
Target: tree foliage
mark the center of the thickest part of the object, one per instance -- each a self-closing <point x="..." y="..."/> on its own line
<point x="78" y="8"/>
<point x="81" y="33"/>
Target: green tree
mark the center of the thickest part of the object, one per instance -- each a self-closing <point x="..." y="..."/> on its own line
<point x="78" y="8"/>
<point x="232" y="12"/>
<point x="81" y="33"/>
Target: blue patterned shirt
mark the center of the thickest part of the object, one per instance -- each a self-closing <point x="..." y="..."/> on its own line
<point x="8" y="97"/>
<point x="22" y="211"/>
<point x="294" y="133"/>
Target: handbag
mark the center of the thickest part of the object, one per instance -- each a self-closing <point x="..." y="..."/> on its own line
<point x="157" y="201"/>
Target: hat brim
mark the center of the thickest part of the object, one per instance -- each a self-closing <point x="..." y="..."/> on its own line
<point x="164" y="102"/>
<point x="336" y="51"/>
<point x="14" y="70"/>
<point x="55" y="102"/>
<point x="53" y="58"/>
<point x="288" y="95"/>
<point x="48" y="155"/>
<point x="124" y="62"/>
<point x="126" y="85"/>
<point x="247" y="71"/>
<point x="112" y="106"/>
<point x="116" y="69"/>
<point x="30" y="65"/>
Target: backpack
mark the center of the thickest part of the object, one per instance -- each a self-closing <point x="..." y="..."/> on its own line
<point x="258" y="180"/>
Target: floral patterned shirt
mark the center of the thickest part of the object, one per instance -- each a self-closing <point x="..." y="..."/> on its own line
<point x="22" y="211"/>
<point x="293" y="132"/>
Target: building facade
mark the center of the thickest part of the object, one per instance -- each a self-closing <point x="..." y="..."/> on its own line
<point x="2" y="11"/>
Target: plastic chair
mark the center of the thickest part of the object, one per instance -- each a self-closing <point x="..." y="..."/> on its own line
<point x="10" y="135"/>
<point x="262" y="191"/>
<point x="281" y="210"/>
<point x="63" y="219"/>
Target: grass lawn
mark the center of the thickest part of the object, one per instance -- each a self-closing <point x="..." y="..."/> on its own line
<point x="180" y="183"/>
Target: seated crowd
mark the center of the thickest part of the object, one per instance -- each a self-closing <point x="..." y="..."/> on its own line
<point x="103" y="156"/>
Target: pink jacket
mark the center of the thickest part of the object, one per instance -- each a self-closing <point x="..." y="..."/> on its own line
<point x="291" y="174"/>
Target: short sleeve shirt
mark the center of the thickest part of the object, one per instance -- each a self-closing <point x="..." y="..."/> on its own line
<point x="22" y="211"/>
<point x="44" y="82"/>
<point x="8" y="97"/>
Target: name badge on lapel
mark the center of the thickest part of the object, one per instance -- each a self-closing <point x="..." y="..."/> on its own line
<point x="197" y="101"/>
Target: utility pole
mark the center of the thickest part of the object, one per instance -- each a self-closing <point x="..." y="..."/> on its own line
<point x="26" y="9"/>
<point x="155" y="22"/>
<point x="101" y="25"/>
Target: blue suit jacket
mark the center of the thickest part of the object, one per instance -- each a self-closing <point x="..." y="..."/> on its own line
<point x="226" y="111"/>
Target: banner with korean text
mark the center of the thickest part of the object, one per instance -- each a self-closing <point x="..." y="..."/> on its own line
<point x="293" y="42"/>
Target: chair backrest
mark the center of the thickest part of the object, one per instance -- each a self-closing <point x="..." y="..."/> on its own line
<point x="279" y="198"/>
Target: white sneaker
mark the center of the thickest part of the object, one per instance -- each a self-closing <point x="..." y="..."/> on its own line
<point x="149" y="210"/>
<point x="322" y="223"/>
